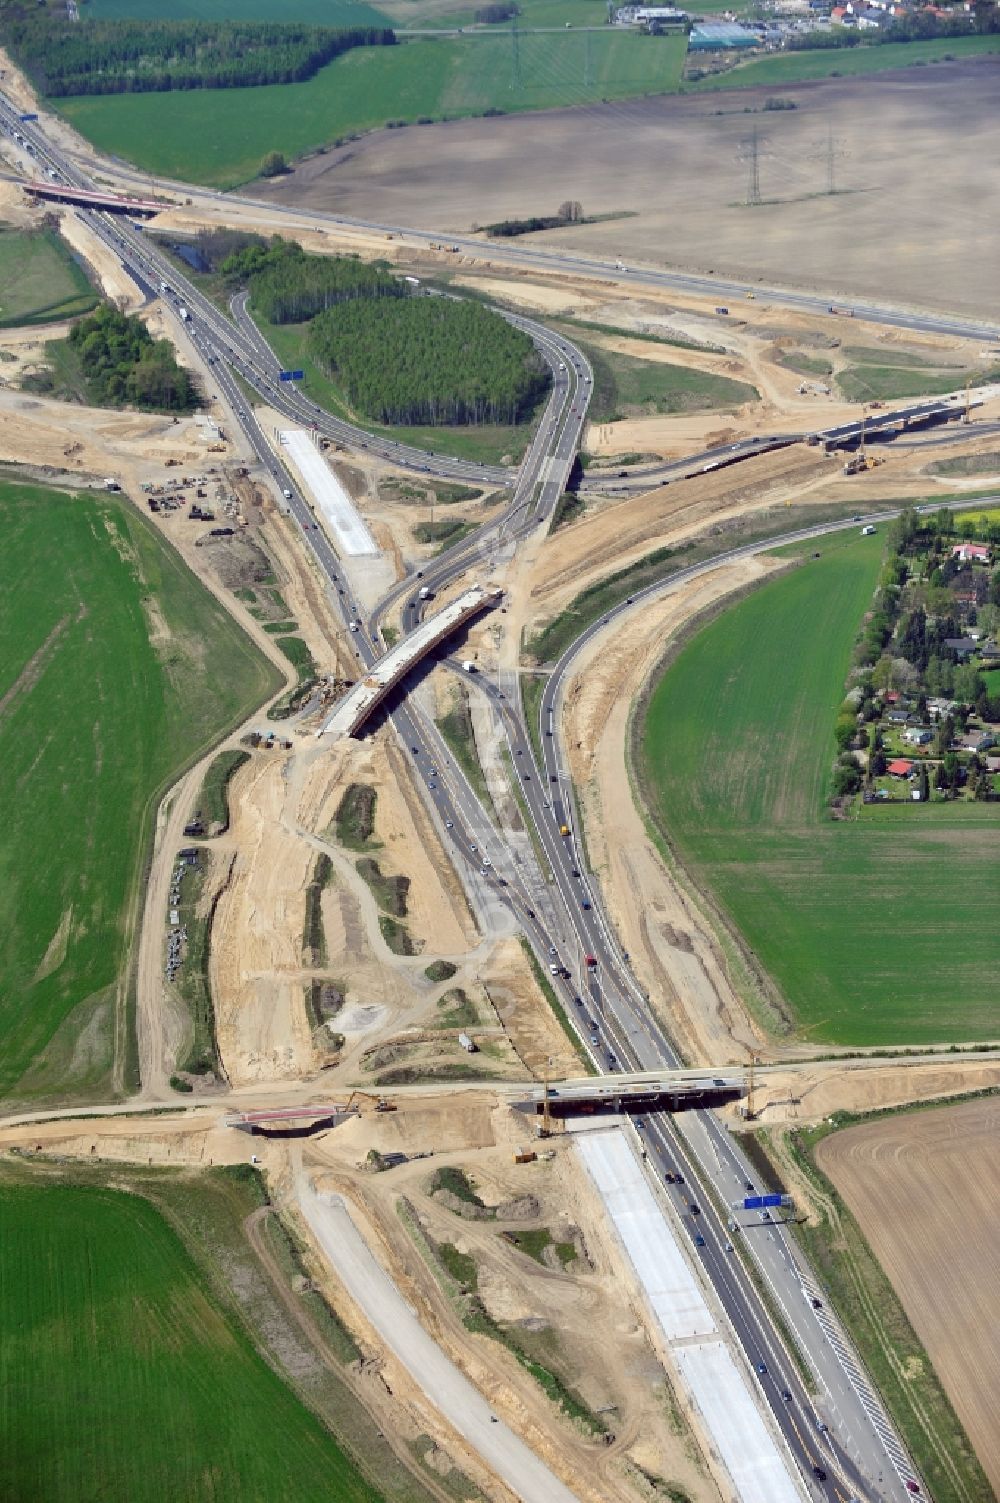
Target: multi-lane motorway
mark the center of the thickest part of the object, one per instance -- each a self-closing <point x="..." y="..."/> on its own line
<point x="840" y="1439"/>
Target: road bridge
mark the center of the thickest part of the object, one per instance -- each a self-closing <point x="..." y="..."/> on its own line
<point x="358" y="703"/>
<point x="631" y="1094"/>
<point x="90" y="198"/>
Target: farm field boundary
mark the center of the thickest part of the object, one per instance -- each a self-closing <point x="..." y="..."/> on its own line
<point x="863" y="926"/>
<point x="855" y="1282"/>
<point x="159" y="1289"/>
<point x="108" y="687"/>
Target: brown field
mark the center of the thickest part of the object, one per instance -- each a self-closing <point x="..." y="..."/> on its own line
<point x="925" y="1188"/>
<point x="916" y="170"/>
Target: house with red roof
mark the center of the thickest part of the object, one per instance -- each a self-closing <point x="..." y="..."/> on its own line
<point x="900" y="767"/>
<point x="971" y="553"/>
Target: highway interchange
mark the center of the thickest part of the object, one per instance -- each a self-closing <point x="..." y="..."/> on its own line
<point x="842" y="1442"/>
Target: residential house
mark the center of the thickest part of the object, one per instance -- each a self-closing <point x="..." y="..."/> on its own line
<point x="962" y="647"/>
<point x="971" y="553"/>
<point x="918" y="735"/>
<point x="937" y="709"/>
<point x="899" y="767"/>
<point x="897" y="717"/>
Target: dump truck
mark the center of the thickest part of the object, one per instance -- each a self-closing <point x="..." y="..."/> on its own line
<point x="468" y="1044"/>
<point x="564" y="829"/>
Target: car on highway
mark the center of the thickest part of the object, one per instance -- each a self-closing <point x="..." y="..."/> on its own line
<point x="762" y="1369"/>
<point x="585" y="905"/>
<point x="817" y="1304"/>
<point x="694" y="1208"/>
<point x="699" y="1241"/>
<point x="449" y="824"/>
<point x="785" y="1393"/>
<point x="819" y="1474"/>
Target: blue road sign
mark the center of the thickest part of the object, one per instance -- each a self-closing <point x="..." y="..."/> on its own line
<point x="29" y="117"/>
<point x="760" y="1202"/>
<point x="291" y="375"/>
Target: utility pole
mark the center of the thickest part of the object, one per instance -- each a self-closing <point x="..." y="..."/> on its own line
<point x="830" y="186"/>
<point x="515" y="54"/>
<point x="753" y="175"/>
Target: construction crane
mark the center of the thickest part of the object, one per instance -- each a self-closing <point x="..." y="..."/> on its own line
<point x="750" y="1111"/>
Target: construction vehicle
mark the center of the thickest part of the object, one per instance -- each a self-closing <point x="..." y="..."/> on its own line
<point x="751" y="297"/>
<point x="525" y="1156"/>
<point x="381" y="1104"/>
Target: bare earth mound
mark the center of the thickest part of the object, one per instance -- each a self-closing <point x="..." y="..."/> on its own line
<point x="915" y="167"/>
<point x="925" y="1188"/>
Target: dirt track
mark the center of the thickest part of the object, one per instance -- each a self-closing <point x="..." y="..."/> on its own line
<point x="925" y="1187"/>
<point x="916" y="169"/>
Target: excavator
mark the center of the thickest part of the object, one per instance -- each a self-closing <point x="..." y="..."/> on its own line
<point x="380" y="1102"/>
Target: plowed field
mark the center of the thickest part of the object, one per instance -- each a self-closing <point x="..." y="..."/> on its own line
<point x="925" y="1188"/>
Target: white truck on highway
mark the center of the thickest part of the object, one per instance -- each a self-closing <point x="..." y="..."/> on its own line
<point x="184" y="315"/>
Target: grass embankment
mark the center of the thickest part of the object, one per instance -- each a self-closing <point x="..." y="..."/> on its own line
<point x="562" y="1017"/>
<point x="220" y="136"/>
<point x="40" y="280"/>
<point x="105" y="706"/>
<point x="856" y="1285"/>
<point x="845" y="62"/>
<point x="888" y="375"/>
<point x="625" y="386"/>
<point x="968" y="464"/>
<point x="115" y="1328"/>
<point x="336" y="13"/>
<point x="213" y="800"/>
<point x="192" y="977"/>
<point x="313" y="933"/>
<point x="536" y="1351"/>
<point x="456" y="728"/>
<point x="548" y="644"/>
<point x="301" y="659"/>
<point x="354" y="821"/>
<point x="863" y="925"/>
<point x="532" y="689"/>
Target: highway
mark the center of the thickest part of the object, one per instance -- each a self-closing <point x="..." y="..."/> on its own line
<point x="562" y="915"/>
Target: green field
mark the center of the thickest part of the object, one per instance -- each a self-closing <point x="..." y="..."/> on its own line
<point x="338" y="13"/>
<point x="219" y="136"/>
<point x="868" y="927"/>
<point x="40" y="282"/>
<point x="95" y="720"/>
<point x="125" y="1378"/>
<point x="845" y="62"/>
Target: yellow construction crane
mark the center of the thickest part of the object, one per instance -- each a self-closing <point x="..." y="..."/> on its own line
<point x="751" y="1110"/>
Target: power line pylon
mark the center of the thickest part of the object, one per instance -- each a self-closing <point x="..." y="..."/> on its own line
<point x="753" y="170"/>
<point x="515" y="54"/>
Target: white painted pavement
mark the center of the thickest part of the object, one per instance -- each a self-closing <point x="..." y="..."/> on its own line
<point x="730" y="1412"/>
<point x="370" y="1287"/>
<point x="338" y="510"/>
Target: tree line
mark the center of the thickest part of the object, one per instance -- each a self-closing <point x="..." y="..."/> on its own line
<point x="429" y="360"/>
<point x="916" y="26"/>
<point x="287" y="286"/>
<point x="138" y="57"/>
<point x="125" y="366"/>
